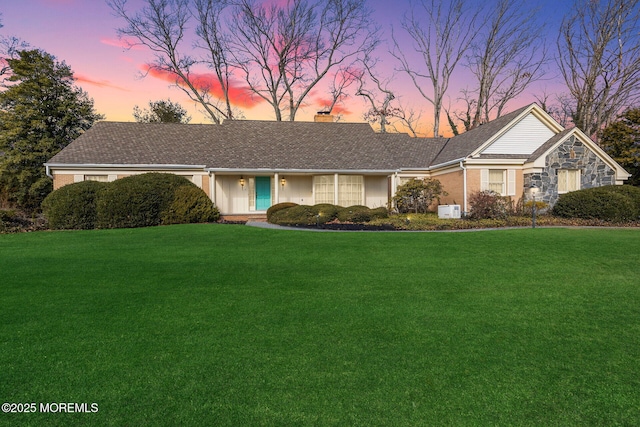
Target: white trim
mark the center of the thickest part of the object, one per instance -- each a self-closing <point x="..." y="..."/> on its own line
<point x="511" y="182"/>
<point x="534" y="109"/>
<point x="120" y="166"/>
<point x="231" y="171"/>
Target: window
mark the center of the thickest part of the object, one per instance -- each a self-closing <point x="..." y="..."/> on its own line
<point x="99" y="178"/>
<point x="496" y="180"/>
<point x="323" y="189"/>
<point x="501" y="181"/>
<point x="350" y="190"/>
<point x="568" y="180"/>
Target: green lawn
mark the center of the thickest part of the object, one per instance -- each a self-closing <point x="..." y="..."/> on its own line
<point x="233" y="325"/>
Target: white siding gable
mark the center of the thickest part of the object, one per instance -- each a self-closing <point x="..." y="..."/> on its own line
<point x="523" y="138"/>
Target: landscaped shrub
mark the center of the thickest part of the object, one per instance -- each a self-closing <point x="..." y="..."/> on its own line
<point x="5" y="217"/>
<point x="627" y="190"/>
<point x="278" y="207"/>
<point x="489" y="205"/>
<point x="73" y="206"/>
<point x="138" y="200"/>
<point x="326" y="211"/>
<point x="296" y="215"/>
<point x="379" y="213"/>
<point x="355" y="213"/>
<point x="323" y="213"/>
<point x="602" y="203"/>
<point x="416" y="195"/>
<point x="190" y="205"/>
<point x="153" y="199"/>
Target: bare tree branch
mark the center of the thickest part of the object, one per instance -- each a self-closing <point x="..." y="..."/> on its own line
<point x="285" y="51"/>
<point x="441" y="33"/>
<point x="599" y="59"/>
<point x="506" y="58"/>
<point x="160" y="25"/>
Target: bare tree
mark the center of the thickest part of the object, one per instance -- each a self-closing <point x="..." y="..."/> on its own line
<point x="441" y="33"/>
<point x="9" y="47"/>
<point x="378" y="99"/>
<point x="465" y="117"/>
<point x="161" y="25"/>
<point x="213" y="39"/>
<point x="558" y="108"/>
<point x="408" y="117"/>
<point x="285" y="51"/>
<point x="506" y="58"/>
<point x="343" y="79"/>
<point x="599" y="59"/>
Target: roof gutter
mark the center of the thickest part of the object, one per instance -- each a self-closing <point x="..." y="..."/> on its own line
<point x="449" y="163"/>
<point x="302" y="171"/>
<point x="48" y="166"/>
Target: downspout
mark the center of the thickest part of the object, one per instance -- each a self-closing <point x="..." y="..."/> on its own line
<point x="464" y="186"/>
<point x="47" y="171"/>
<point x="394" y="187"/>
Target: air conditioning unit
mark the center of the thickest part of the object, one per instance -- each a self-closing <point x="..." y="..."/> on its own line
<point x="449" y="211"/>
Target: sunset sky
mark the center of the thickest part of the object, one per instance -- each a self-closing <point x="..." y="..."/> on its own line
<point x="83" y="34"/>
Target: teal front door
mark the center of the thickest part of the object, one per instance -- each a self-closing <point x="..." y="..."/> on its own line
<point x="263" y="193"/>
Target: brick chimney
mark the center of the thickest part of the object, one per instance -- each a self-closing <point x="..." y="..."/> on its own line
<point x="323" y="117"/>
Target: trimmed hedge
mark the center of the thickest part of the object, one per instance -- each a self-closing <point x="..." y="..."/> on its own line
<point x="304" y="215"/>
<point x="278" y="207"/>
<point x="135" y="201"/>
<point x="190" y="205"/>
<point x="138" y="200"/>
<point x="355" y="213"/>
<point x="295" y="215"/>
<point x="73" y="206"/>
<point x="609" y="203"/>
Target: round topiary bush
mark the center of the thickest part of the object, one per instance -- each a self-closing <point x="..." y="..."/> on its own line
<point x="379" y="213"/>
<point x="73" y="206"/>
<point x="326" y="212"/>
<point x="278" y="207"/>
<point x="296" y="215"/>
<point x="190" y="205"/>
<point x="355" y="213"/>
<point x="141" y="200"/>
<point x="627" y="190"/>
<point x="602" y="203"/>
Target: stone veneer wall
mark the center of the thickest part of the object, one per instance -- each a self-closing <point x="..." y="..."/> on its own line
<point x="572" y="154"/>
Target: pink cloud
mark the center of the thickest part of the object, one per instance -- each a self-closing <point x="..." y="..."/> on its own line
<point x="100" y="83"/>
<point x="124" y="43"/>
<point x="326" y="102"/>
<point x="239" y="95"/>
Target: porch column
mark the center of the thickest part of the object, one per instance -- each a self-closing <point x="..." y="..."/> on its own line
<point x="335" y="188"/>
<point x="212" y="187"/>
<point x="276" y="195"/>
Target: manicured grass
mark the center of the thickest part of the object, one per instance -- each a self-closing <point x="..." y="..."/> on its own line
<point x="232" y="325"/>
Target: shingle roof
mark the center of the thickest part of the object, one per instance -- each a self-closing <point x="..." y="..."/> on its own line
<point x="466" y="143"/>
<point x="249" y="145"/>
<point x="270" y="145"/>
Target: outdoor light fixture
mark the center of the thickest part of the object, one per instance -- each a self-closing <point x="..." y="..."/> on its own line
<point x="283" y="181"/>
<point x="242" y="182"/>
<point x="533" y="190"/>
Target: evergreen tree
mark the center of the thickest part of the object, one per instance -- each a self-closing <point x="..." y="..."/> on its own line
<point x="621" y="140"/>
<point x="41" y="112"/>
